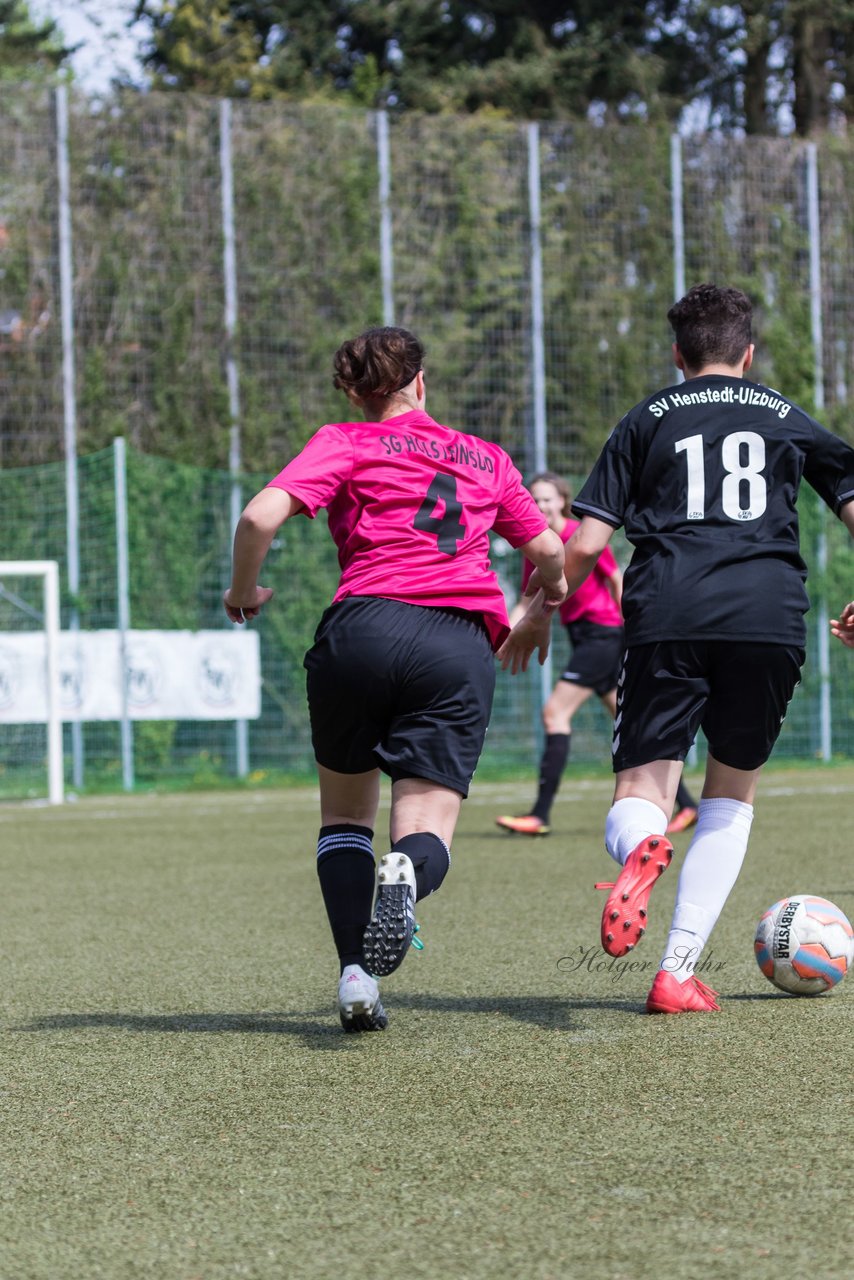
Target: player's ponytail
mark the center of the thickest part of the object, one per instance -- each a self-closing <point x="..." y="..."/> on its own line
<point x="377" y="364"/>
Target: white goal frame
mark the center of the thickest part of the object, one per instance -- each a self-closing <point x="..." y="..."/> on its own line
<point x="49" y="571"/>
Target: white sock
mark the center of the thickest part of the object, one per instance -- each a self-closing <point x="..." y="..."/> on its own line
<point x="708" y="874"/>
<point x="629" y="821"/>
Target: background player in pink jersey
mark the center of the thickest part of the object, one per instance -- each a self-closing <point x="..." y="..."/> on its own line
<point x="402" y="671"/>
<point x="594" y="624"/>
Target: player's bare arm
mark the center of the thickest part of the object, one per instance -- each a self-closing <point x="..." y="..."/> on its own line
<point x="546" y="554"/>
<point x="262" y="517"/>
<point x="615" y="586"/>
<point x="532" y="631"/>
<point x="533" y="628"/>
<point x="584" y="549"/>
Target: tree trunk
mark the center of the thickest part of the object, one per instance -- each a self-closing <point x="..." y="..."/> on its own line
<point x="810" y="52"/>
<point x="759" y="37"/>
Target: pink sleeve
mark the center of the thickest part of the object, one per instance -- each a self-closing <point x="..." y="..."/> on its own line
<point x="518" y="519"/>
<point x="319" y="470"/>
<point x="606" y="564"/>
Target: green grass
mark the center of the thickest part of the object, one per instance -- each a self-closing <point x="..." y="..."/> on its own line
<point x="179" y="1102"/>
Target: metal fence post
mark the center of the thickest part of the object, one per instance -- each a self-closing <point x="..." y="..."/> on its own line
<point x="677" y="216"/>
<point x="817" y="332"/>
<point x="123" y="595"/>
<point x="677" y="222"/>
<point x="229" y="261"/>
<point x="69" y="396"/>
<point x="386" y="242"/>
<point x="538" y="356"/>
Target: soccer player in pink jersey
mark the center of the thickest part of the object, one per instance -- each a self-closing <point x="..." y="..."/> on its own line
<point x="402" y="673"/>
<point x="594" y="625"/>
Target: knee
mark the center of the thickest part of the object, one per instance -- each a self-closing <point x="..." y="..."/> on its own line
<point x="555" y="721"/>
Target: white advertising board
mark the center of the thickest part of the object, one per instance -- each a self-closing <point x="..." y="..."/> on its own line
<point x="168" y="675"/>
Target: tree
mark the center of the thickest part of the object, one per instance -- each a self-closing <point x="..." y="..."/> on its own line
<point x="28" y="48"/>
<point x="542" y="59"/>
<point x="756" y="66"/>
<point x="762" y="64"/>
<point x="209" y="46"/>
<point x="822" y="56"/>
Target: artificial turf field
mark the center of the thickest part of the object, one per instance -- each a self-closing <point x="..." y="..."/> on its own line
<point x="179" y="1102"/>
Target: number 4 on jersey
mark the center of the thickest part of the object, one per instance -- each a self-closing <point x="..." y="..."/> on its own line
<point x="448" y="527"/>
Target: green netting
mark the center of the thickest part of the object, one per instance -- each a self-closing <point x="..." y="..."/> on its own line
<point x="179" y="546"/>
<point x="151" y="350"/>
<point x="149" y="287"/>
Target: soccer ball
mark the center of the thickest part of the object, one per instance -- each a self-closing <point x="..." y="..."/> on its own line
<point x="804" y="944"/>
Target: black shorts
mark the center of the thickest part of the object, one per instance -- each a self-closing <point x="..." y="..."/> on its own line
<point x="737" y="692"/>
<point x="596" y="656"/>
<point x="401" y="687"/>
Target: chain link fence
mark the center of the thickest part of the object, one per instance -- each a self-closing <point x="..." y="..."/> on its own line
<point x="537" y="264"/>
<point x="178" y="543"/>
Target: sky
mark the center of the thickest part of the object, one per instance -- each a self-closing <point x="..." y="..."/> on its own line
<point x="100" y="26"/>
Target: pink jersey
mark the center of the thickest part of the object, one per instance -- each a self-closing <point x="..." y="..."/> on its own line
<point x="410" y="507"/>
<point x="593" y="600"/>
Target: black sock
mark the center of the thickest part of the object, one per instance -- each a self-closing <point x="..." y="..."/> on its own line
<point x="684" y="799"/>
<point x="345" y="868"/>
<point x="429" y="856"/>
<point x="552" y="765"/>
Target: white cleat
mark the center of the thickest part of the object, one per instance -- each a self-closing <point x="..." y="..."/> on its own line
<point x="389" y="934"/>
<point x="359" y="1004"/>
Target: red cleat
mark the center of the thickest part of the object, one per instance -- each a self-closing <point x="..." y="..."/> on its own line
<point x="624" y="917"/>
<point x="682" y="820"/>
<point x="669" y="996"/>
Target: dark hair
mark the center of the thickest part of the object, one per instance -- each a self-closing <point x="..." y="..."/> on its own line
<point x="711" y="325"/>
<point x="551" y="477"/>
<point x="379" y="363"/>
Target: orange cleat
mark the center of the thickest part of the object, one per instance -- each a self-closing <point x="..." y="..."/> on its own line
<point x="669" y="996"/>
<point x="682" y="820"/>
<point x="529" y="825"/>
<point x="624" y="917"/>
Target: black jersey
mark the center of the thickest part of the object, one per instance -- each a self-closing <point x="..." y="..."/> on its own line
<point x="704" y="477"/>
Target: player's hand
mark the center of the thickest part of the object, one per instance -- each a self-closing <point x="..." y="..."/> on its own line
<point x="531" y="632"/>
<point x="533" y="585"/>
<point x="843" y="626"/>
<point x="250" y="606"/>
<point x="554" y="593"/>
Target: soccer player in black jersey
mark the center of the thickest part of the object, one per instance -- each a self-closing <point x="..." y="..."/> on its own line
<point x="704" y="477"/>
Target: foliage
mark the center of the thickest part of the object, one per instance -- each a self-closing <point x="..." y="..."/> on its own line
<point x="179" y="536"/>
<point x="30" y="50"/>
<point x="765" y="66"/>
<point x="208" y="46"/>
<point x="758" y="66"/>
<point x="149" y="288"/>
